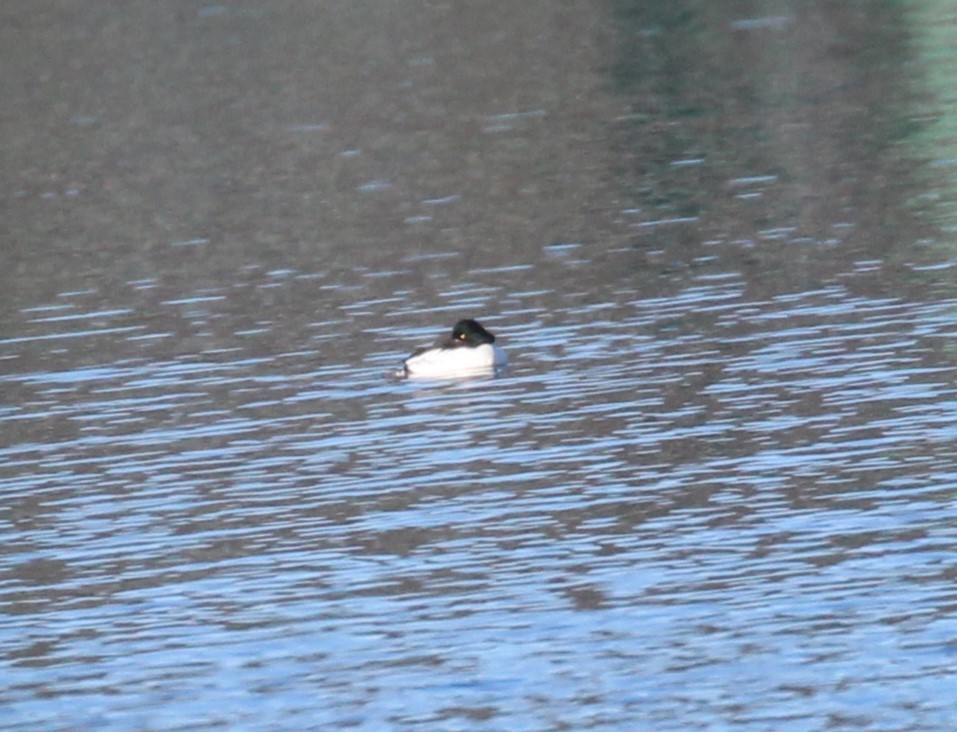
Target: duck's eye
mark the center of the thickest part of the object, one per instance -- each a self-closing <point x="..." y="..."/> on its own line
<point x="461" y="336"/>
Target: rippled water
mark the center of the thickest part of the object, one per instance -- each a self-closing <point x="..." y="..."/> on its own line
<point x="716" y="487"/>
<point x="674" y="511"/>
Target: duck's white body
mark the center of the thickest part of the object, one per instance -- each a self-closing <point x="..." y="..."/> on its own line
<point x="449" y="363"/>
<point x="469" y="351"/>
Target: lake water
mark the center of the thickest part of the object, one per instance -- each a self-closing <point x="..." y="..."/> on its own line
<point x="716" y="488"/>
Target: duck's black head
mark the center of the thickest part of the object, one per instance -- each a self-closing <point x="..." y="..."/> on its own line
<point x="468" y="333"/>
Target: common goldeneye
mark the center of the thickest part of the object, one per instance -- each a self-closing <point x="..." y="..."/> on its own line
<point x="469" y="351"/>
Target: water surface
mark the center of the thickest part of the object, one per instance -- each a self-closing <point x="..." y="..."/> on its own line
<point x="714" y="490"/>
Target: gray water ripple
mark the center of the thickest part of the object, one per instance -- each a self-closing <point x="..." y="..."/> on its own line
<point x="691" y="492"/>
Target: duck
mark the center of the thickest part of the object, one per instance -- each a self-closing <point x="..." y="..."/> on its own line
<point x="470" y="350"/>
